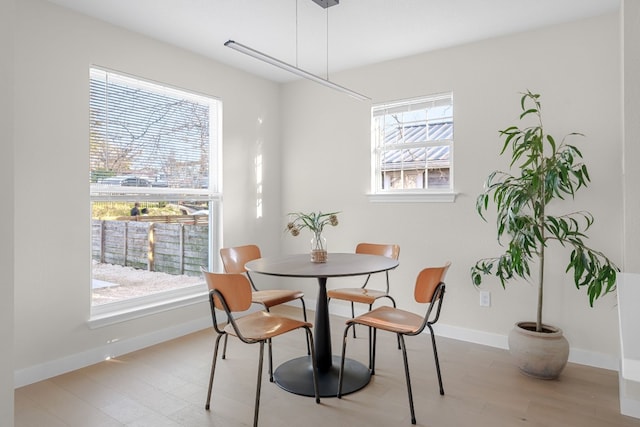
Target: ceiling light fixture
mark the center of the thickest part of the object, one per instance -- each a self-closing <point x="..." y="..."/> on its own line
<point x="292" y="69"/>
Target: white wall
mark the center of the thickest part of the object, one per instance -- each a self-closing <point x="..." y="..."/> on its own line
<point x="55" y="49"/>
<point x="576" y="69"/>
<point x="7" y="16"/>
<point x="628" y="379"/>
<point x="322" y="164"/>
<point x="631" y="105"/>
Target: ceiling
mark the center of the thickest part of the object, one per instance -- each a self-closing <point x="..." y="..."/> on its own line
<point x="351" y="34"/>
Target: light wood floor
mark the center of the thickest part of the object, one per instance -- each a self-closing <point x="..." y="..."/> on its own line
<point x="165" y="385"/>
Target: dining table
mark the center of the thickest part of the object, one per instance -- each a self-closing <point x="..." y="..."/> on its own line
<point x="296" y="375"/>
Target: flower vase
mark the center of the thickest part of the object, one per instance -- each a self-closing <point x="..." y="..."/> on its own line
<point x="318" y="248"/>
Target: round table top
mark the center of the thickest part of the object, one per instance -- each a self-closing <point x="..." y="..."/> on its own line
<point x="337" y="265"/>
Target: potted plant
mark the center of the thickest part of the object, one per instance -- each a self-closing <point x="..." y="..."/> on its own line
<point x="547" y="170"/>
<point x="315" y="222"/>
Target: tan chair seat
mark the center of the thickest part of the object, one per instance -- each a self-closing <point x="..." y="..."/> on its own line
<point x="262" y="325"/>
<point x="390" y="319"/>
<point x="272" y="297"/>
<point x="364" y="296"/>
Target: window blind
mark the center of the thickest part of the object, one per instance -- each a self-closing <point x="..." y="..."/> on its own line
<point x="147" y="138"/>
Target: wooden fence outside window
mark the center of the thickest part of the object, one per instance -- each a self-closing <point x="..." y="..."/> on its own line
<point x="176" y="245"/>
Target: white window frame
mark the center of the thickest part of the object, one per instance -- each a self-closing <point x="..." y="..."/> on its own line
<point x="377" y="193"/>
<point x="120" y="311"/>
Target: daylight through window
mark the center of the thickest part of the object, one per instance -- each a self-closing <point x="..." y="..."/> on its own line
<point x="412" y="145"/>
<point x="154" y="187"/>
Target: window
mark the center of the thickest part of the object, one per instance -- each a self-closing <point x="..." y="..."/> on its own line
<point x="412" y="146"/>
<point x="155" y="193"/>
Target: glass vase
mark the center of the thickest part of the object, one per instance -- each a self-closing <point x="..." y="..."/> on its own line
<point x="318" y="248"/>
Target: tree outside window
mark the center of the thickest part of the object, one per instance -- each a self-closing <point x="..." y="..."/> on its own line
<point x="154" y="191"/>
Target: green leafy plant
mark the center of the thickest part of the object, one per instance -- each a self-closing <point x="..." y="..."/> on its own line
<point x="548" y="170"/>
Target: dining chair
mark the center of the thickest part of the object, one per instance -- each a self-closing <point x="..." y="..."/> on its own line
<point x="234" y="260"/>
<point x="231" y="293"/>
<point x="429" y="289"/>
<point x="363" y="294"/>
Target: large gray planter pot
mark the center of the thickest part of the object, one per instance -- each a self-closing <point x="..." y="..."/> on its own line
<point x="539" y="354"/>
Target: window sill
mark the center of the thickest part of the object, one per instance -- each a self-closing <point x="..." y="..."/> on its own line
<point x="134" y="308"/>
<point x="413" y="197"/>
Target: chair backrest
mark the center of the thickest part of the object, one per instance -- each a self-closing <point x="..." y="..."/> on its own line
<point x="428" y="281"/>
<point x="234" y="288"/>
<point x="390" y="251"/>
<point x="234" y="259"/>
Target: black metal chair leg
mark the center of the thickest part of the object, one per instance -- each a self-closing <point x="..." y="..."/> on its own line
<point x="408" y="378"/>
<point x="353" y="316"/>
<point x="314" y="366"/>
<point x="435" y="356"/>
<point x="304" y="315"/>
<point x="224" y="348"/>
<point x="270" y="361"/>
<point x="372" y="351"/>
<point x="344" y="350"/>
<point x="370" y="344"/>
<point x="310" y="345"/>
<point x="213" y="370"/>
<point x="257" y="406"/>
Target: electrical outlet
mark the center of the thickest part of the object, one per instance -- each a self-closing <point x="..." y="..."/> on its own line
<point x="485" y="299"/>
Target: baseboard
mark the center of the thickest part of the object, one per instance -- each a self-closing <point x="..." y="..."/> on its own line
<point x="629" y="397"/>
<point x="576" y="355"/>
<point x="70" y="363"/>
<point x="595" y="359"/>
<point x="489" y="339"/>
<point x="629" y="407"/>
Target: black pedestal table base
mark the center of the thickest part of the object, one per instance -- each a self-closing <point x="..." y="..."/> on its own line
<point x="296" y="376"/>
